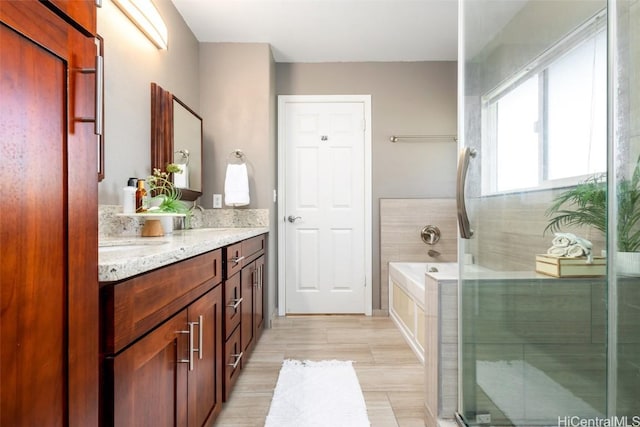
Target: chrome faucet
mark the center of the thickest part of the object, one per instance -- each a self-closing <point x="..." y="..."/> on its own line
<point x="433" y="253"/>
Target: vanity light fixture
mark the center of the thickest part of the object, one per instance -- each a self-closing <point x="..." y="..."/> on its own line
<point x="145" y="16"/>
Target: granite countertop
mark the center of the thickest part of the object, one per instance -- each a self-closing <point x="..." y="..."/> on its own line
<point x="123" y="257"/>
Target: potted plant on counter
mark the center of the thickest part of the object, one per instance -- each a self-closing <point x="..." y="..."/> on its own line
<point x="586" y="205"/>
<point x="165" y="196"/>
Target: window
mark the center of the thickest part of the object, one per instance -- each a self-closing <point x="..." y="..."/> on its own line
<point x="546" y="127"/>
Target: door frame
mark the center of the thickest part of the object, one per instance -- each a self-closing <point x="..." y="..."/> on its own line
<point x="282" y="264"/>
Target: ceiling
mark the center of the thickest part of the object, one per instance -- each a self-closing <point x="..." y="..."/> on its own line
<point x="331" y="30"/>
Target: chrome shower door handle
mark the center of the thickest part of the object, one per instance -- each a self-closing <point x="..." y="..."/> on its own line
<point x="293" y="219"/>
<point x="463" y="218"/>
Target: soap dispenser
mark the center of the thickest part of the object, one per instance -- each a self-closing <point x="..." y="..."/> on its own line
<point x="129" y="197"/>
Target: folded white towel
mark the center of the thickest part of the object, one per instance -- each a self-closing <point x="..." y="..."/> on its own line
<point x="576" y="250"/>
<point x="557" y="251"/>
<point x="563" y="239"/>
<point x="236" y="185"/>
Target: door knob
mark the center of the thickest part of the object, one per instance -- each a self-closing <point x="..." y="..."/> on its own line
<point x="292" y="218"/>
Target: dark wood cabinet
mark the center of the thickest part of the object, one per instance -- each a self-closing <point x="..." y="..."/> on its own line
<point x="162" y="345"/>
<point x="48" y="238"/>
<point x="174" y="339"/>
<point x="205" y="379"/>
<point x="258" y="299"/>
<point x="253" y="251"/>
<point x="244" y="300"/>
<point x="149" y="380"/>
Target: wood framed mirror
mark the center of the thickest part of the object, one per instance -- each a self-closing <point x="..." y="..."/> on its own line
<point x="176" y="137"/>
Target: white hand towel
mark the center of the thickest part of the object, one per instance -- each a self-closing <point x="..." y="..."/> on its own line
<point x="181" y="179"/>
<point x="236" y="185"/>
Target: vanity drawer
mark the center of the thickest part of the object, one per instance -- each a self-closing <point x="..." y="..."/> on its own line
<point x="134" y="307"/>
<point x="252" y="248"/>
<point x="233" y="305"/>
<point x="232" y="362"/>
<point x="233" y="259"/>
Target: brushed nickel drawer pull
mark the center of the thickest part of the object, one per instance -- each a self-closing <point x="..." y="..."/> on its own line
<point x="238" y="357"/>
<point x="200" y="333"/>
<point x="237" y="259"/>
<point x="236" y="303"/>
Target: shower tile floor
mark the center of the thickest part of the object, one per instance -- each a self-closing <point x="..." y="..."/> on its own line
<point x="390" y="375"/>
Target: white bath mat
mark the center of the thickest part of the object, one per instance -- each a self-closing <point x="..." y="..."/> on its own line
<point x="317" y="394"/>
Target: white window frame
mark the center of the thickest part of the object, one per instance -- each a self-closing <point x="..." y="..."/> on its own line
<point x="538" y="67"/>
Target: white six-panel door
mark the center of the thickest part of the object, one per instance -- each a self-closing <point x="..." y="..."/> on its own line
<point x="324" y="211"/>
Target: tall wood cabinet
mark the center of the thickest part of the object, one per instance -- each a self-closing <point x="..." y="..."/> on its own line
<point x="48" y="228"/>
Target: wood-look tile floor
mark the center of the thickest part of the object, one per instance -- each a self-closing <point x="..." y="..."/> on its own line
<point x="390" y="375"/>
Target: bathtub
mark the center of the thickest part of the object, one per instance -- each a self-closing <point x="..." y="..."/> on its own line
<point x="407" y="297"/>
<point x="432" y="326"/>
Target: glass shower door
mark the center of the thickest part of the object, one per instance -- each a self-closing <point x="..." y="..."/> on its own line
<point x="624" y="280"/>
<point x="533" y="125"/>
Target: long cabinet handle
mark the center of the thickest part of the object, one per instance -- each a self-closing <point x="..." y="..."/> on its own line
<point x="238" y="357"/>
<point x="99" y="127"/>
<point x="236" y="303"/>
<point x="200" y="333"/>
<point x="463" y="218"/>
<point x="237" y="259"/>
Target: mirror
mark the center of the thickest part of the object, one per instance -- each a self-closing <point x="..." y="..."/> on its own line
<point x="176" y="137"/>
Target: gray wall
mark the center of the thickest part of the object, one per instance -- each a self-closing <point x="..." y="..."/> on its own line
<point x="131" y="63"/>
<point x="235" y="84"/>
<point x="237" y="96"/>
<point x="407" y="98"/>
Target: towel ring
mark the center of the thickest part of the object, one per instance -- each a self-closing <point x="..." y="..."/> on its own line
<point x="236" y="157"/>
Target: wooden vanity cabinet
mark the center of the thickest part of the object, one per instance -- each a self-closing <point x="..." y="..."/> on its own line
<point x="252" y="291"/>
<point x="49" y="366"/>
<point x="244" y="302"/>
<point x="162" y="338"/>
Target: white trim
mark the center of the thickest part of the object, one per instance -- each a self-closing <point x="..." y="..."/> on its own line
<point x="366" y="100"/>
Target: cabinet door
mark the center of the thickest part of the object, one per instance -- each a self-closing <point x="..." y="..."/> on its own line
<point x="83" y="12"/>
<point x="48" y="285"/>
<point x="258" y="299"/>
<point x="205" y="380"/>
<point x="249" y="285"/>
<point x="150" y="378"/>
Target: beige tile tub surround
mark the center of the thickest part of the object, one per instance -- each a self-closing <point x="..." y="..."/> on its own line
<point x="401" y="221"/>
<point x="390" y="375"/>
<point x="441" y="349"/>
